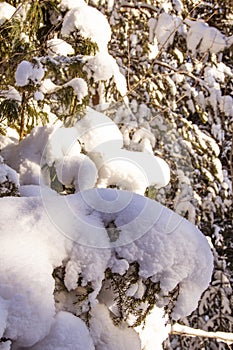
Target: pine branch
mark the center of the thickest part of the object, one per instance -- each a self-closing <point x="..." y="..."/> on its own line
<point x="182" y="330"/>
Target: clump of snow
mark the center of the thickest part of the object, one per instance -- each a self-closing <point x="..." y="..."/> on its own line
<point x="28" y="72"/>
<point x="202" y="38"/>
<point x="70" y="4"/>
<point x="67" y="332"/>
<point x="132" y="171"/>
<point x="61" y="142"/>
<point x="154" y="331"/>
<point x="80" y="87"/>
<point x="107" y="336"/>
<point x="42" y="147"/>
<point x="76" y="170"/>
<point x="166" y="28"/>
<point x="9" y="179"/>
<point x="90" y="23"/>
<point x="11" y="94"/>
<point x="48" y="87"/>
<point x="6" y="11"/>
<point x="59" y="47"/>
<point x="102" y="67"/>
<point x="96" y="131"/>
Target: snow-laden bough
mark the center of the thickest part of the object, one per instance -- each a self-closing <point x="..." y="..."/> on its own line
<point x="76" y="231"/>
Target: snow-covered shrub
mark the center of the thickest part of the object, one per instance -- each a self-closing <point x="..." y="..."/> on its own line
<point x="155" y="248"/>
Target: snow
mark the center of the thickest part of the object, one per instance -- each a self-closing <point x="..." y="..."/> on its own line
<point x="52" y="230"/>
<point x="155" y="331"/>
<point x="80" y="87"/>
<point x="43" y="146"/>
<point x="70" y="4"/>
<point x="35" y="191"/>
<point x="7" y="173"/>
<point x="102" y="67"/>
<point x="109" y="337"/>
<point x="96" y="131"/>
<point x="132" y="171"/>
<point x="48" y="87"/>
<point x="76" y="170"/>
<point x="202" y="38"/>
<point x="166" y="28"/>
<point x="28" y="72"/>
<point x="11" y="94"/>
<point x="6" y="11"/>
<point x="67" y="332"/>
<point x="59" y="47"/>
<point x="90" y="23"/>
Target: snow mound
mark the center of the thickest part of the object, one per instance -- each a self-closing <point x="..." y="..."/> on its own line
<point x="132" y="171"/>
<point x="76" y="230"/>
<point x="109" y="337"/>
<point x="96" y="132"/>
<point x="28" y="72"/>
<point x="67" y="332"/>
<point x="90" y="23"/>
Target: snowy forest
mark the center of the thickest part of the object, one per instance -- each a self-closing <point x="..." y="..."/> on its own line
<point x="116" y="174"/>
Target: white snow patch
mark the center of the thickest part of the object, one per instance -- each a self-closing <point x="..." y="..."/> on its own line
<point x="67" y="332"/>
<point x="107" y="336"/>
<point x="6" y="11"/>
<point x="132" y="171"/>
<point x="56" y="229"/>
<point x="96" y="131"/>
<point x="27" y="72"/>
<point x="90" y="23"/>
<point x="58" y="47"/>
<point x="80" y="87"/>
<point x="11" y="94"/>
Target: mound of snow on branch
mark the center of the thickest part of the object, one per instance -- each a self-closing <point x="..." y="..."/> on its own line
<point x="53" y="230"/>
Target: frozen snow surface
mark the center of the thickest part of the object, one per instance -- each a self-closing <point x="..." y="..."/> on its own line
<point x="75" y="230"/>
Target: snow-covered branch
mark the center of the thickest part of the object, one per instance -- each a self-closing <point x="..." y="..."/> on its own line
<point x="192" y="332"/>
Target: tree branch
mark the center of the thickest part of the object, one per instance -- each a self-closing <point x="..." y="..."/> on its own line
<point x="180" y="329"/>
